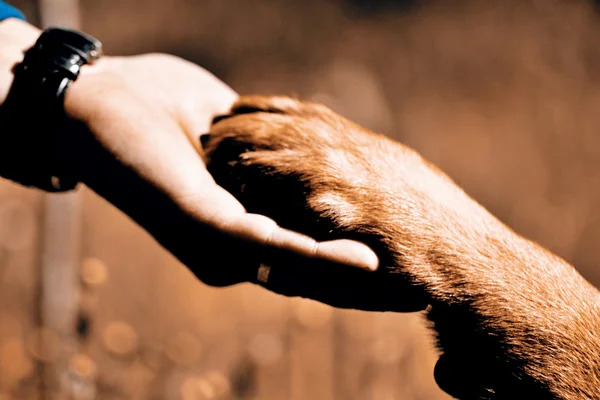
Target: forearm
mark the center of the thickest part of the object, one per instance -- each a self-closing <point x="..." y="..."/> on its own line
<point x="512" y="317"/>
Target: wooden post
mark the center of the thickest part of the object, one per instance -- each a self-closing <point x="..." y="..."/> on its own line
<point x="61" y="243"/>
<point x="61" y="239"/>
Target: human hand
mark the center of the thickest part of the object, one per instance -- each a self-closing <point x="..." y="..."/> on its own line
<point x="135" y="142"/>
<point x="145" y="114"/>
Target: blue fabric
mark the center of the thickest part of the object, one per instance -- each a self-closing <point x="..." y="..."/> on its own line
<point x="8" y="11"/>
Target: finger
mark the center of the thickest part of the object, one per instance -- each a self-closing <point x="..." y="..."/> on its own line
<point x="220" y="209"/>
<point x="265" y="231"/>
<point x="348" y="252"/>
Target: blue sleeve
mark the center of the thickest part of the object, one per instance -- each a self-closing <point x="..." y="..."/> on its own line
<point x="8" y="11"/>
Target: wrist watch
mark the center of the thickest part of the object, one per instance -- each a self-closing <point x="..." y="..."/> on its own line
<point x="33" y="115"/>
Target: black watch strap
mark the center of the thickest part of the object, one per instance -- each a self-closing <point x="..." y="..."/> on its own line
<point x="33" y="114"/>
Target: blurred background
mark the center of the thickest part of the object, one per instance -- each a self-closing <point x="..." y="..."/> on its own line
<point x="503" y="95"/>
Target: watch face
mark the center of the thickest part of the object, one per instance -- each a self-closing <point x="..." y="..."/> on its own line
<point x="86" y="46"/>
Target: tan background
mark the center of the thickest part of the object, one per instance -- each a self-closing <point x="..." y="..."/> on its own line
<point x="503" y="95"/>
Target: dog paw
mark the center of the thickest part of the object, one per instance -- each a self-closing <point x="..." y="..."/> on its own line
<point x="316" y="172"/>
<point x="298" y="162"/>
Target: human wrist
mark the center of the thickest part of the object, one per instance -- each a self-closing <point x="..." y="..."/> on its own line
<point x="83" y="94"/>
<point x="39" y="80"/>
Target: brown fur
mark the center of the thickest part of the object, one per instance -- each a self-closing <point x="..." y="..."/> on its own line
<point x="513" y="320"/>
